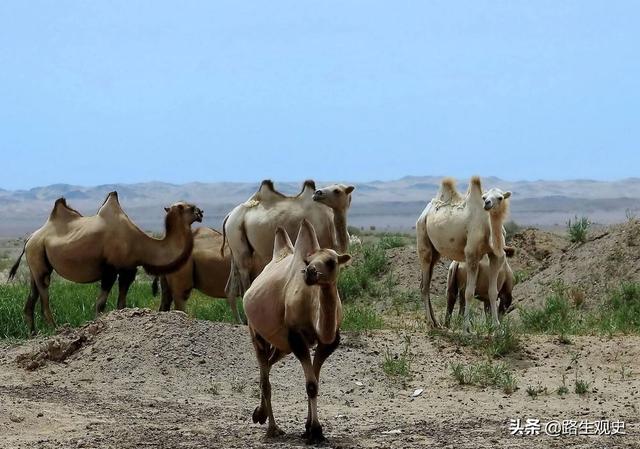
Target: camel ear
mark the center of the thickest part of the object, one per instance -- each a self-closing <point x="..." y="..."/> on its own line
<point x="307" y="241"/>
<point x="506" y="195"/>
<point x="166" y="209"/>
<point x="349" y="189"/>
<point x="344" y="258"/>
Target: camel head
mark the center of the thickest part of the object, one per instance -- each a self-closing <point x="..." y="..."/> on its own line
<point x="187" y="212"/>
<point x="321" y="267"/>
<point x="494" y="198"/>
<point x="336" y="196"/>
<point x="320" y="264"/>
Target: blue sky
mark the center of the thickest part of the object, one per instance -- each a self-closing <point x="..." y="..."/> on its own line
<point x="129" y="91"/>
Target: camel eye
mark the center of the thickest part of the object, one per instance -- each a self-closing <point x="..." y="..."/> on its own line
<point x="331" y="264"/>
<point x="336" y="191"/>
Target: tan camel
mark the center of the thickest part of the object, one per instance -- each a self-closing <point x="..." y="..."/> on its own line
<point x="206" y="270"/>
<point x="101" y="247"/>
<point x="292" y="305"/>
<point x="457" y="280"/>
<point x="250" y="227"/>
<point x="463" y="229"/>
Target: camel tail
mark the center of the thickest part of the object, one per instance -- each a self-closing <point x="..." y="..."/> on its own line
<point x="154" y="286"/>
<point x="224" y="235"/>
<point x="14" y="268"/>
<point x="509" y="251"/>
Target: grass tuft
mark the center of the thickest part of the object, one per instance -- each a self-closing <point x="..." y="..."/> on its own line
<point x="578" y="229"/>
<point x="485" y="374"/>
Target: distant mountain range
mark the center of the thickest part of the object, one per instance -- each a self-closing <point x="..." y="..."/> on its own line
<point x="387" y="205"/>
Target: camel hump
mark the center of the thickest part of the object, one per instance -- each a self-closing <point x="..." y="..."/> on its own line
<point x="448" y="191"/>
<point x="62" y="211"/>
<point x="475" y="184"/>
<point x="306" y="241"/>
<point x="308" y="184"/>
<point x="282" y="245"/>
<point x="110" y="205"/>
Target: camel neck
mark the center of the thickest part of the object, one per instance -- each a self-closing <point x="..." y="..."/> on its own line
<point x="326" y="325"/>
<point x="340" y="225"/>
<point x="497" y="239"/>
<point x="169" y="253"/>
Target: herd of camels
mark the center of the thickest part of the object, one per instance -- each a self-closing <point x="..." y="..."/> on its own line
<point x="289" y="287"/>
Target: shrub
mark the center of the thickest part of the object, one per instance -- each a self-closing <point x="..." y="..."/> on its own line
<point x="578" y="229"/>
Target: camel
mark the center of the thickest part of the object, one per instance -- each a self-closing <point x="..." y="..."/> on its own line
<point x="206" y="270"/>
<point x="463" y="229"/>
<point x="457" y="279"/>
<point x="292" y="305"/>
<point x="250" y="227"/>
<point x="102" y="248"/>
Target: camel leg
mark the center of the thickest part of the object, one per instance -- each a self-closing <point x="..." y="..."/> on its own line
<point x="180" y="300"/>
<point x="452" y="295"/>
<point x="264" y="411"/>
<point x="322" y="353"/>
<point x="30" y="306"/>
<point x="166" y="295"/>
<point x="233" y="304"/>
<point x="109" y="275"/>
<point x="125" y="279"/>
<point x="300" y="349"/>
<point x="425" y="284"/>
<point x="495" y="265"/>
<point x="43" y="291"/>
<point x="470" y="289"/>
<point x="463" y="303"/>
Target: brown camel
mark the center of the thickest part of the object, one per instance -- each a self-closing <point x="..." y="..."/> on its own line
<point x="292" y="305"/>
<point x="463" y="229"/>
<point x="250" y="227"/>
<point x="457" y="280"/>
<point x="206" y="270"/>
<point x="101" y="248"/>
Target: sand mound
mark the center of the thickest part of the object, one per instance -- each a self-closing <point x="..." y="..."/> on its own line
<point x="609" y="257"/>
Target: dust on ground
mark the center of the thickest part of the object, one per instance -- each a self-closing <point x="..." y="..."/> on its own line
<point x="163" y="380"/>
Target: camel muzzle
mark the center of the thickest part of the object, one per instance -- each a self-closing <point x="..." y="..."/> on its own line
<point x="488" y="205"/>
<point x="317" y="195"/>
<point x="199" y="215"/>
<point x="310" y="275"/>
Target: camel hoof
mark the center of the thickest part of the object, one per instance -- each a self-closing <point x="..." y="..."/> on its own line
<point x="274" y="432"/>
<point x="259" y="415"/>
<point x="314" y="435"/>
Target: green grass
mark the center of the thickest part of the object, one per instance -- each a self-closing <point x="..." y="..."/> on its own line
<point x="484" y="374"/>
<point x="484" y="336"/>
<point x="360" y="318"/>
<point x="578" y="229"/>
<point x="369" y="262"/>
<point x="582" y="387"/>
<point x="398" y="365"/>
<point x="74" y="304"/>
<point x="619" y="314"/>
<point x="535" y="391"/>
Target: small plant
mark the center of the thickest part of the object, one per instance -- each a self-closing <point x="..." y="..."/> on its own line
<point x="520" y="276"/>
<point x="582" y="386"/>
<point x="398" y="365"/>
<point x="563" y="389"/>
<point x="485" y="374"/>
<point x="533" y="392"/>
<point x="578" y="229"/>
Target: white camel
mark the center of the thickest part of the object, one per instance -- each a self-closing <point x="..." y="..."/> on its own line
<point x="463" y="229"/>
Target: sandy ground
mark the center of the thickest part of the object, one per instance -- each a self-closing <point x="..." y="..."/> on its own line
<point x="144" y="379"/>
